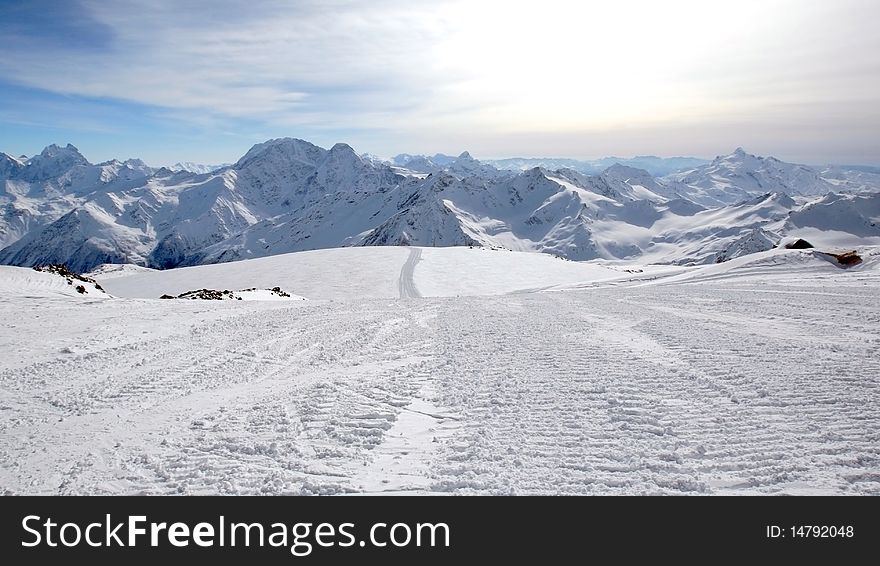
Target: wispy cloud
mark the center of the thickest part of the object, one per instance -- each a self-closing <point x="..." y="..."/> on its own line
<point x="264" y="60"/>
<point x="440" y="73"/>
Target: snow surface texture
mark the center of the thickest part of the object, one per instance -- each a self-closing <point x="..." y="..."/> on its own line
<point x="758" y="375"/>
<point x="288" y="195"/>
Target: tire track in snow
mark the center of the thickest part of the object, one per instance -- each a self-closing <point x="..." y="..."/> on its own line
<point x="406" y="283"/>
<point x="280" y="401"/>
<point x="597" y="395"/>
<point x="600" y="391"/>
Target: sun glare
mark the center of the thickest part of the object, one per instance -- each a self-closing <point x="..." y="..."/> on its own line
<point x="598" y="65"/>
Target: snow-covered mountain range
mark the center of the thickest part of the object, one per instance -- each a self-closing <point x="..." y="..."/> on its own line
<point x="738" y="176"/>
<point x="657" y="166"/>
<point x="196" y="167"/>
<point x="288" y="195"/>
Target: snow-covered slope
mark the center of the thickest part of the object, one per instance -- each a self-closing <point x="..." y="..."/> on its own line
<point x="112" y="270"/>
<point x="24" y="282"/>
<point x="837" y="220"/>
<point x="323" y="274"/>
<point x="757" y="376"/>
<point x="852" y="179"/>
<point x="637" y="184"/>
<point x="371" y="272"/>
<point x="764" y="265"/>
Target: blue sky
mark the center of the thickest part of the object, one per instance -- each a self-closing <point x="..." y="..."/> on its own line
<point x="203" y="81"/>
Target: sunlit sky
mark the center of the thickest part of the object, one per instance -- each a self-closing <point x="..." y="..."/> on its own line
<point x="203" y="81"/>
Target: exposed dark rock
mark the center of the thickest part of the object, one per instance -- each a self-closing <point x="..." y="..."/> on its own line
<point x="279" y="292"/>
<point x="69" y="275"/>
<point x="226" y="294"/>
<point x="799" y="244"/>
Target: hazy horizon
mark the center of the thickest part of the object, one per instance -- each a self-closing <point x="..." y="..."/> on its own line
<point x="205" y="81"/>
<point x="428" y="154"/>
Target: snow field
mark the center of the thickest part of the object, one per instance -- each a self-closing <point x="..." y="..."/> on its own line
<point x="373" y="272"/>
<point x="704" y="386"/>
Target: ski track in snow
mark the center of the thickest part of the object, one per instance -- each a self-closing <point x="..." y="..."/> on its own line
<point x="407" y="282"/>
<point x="691" y="389"/>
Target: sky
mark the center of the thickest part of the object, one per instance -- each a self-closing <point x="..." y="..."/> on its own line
<point x="202" y="81"/>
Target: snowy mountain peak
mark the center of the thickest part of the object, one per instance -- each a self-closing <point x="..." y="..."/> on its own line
<point x="198" y="168"/>
<point x="9" y="166"/>
<point x="344" y="151"/>
<point x="7" y="157"/>
<point x="625" y="172"/>
<point x="342" y="147"/>
<point x="742" y="176"/>
<point x="138" y="165"/>
<point x="373" y="158"/>
<point x="466" y="166"/>
<point x="284" y="148"/>
<point x="781" y="198"/>
<point x="52" y="162"/>
<point x="739" y="155"/>
<point x="67" y="153"/>
<point x="438" y="159"/>
<point x="534" y="173"/>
